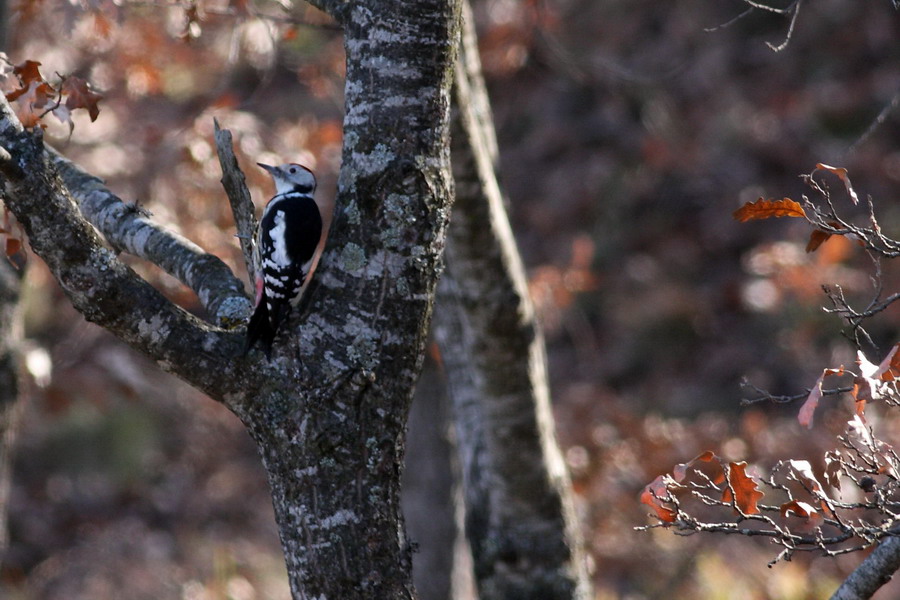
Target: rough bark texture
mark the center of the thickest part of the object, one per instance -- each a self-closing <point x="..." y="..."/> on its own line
<point x="328" y="411"/>
<point x="241" y="203"/>
<point x="128" y="228"/>
<point x="10" y="401"/>
<point x="334" y="450"/>
<point x="878" y="568"/>
<point x="519" y="518"/>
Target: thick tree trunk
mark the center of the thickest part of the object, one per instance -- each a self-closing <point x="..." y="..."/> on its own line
<point x="328" y="411"/>
<point x="519" y="517"/>
<point x="332" y="438"/>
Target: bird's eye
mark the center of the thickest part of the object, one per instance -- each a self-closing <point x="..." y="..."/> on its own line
<point x="293" y="170"/>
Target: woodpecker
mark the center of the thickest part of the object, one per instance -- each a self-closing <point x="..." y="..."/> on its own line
<point x="286" y="239"/>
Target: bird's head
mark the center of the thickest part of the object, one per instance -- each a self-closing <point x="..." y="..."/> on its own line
<point x="291" y="177"/>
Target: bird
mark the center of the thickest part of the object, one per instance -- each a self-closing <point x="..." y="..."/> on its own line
<point x="286" y="239"/>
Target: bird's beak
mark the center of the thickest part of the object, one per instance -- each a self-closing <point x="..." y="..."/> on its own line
<point x="268" y="168"/>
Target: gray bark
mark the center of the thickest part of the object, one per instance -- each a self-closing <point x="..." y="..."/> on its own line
<point x="10" y="401"/>
<point x="428" y="488"/>
<point x="128" y="228"/>
<point x="241" y="204"/>
<point x="519" y="517"/>
<point x="328" y="411"/>
<point x="876" y="570"/>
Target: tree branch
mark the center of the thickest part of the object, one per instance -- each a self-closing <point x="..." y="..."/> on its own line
<point x="238" y="195"/>
<point x="99" y="285"/>
<point x="127" y="228"/>
<point x="875" y="571"/>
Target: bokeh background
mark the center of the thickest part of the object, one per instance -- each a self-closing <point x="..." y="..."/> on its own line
<point x="629" y="133"/>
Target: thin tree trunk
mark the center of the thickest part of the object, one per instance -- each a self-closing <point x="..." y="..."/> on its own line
<point x="10" y="397"/>
<point x="519" y="517"/>
<point x="428" y="489"/>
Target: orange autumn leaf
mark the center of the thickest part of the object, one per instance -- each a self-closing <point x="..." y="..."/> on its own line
<point x="746" y="492"/>
<point x="765" y="209"/>
<point x="802" y="510"/>
<point x="680" y="470"/>
<point x="653" y="494"/>
<point x="816" y="239"/>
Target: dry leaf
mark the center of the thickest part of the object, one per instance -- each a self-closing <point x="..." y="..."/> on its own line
<point x="746" y="492"/>
<point x="889" y="369"/>
<point x="765" y="209"/>
<point x="805" y="416"/>
<point x="680" y="470"/>
<point x="841" y="172"/>
<point x="653" y="495"/>
<point x="816" y="239"/>
<point x="80" y="95"/>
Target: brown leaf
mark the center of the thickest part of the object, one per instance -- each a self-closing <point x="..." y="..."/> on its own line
<point x="799" y="508"/>
<point x="680" y="470"/>
<point x="80" y="95"/>
<point x="764" y="209"/>
<point x="28" y="71"/>
<point x="841" y="172"/>
<point x="833" y="468"/>
<point x="816" y="239"/>
<point x="805" y="416"/>
<point x="746" y="492"/>
<point x="102" y="25"/>
<point x="889" y="369"/>
<point x="653" y="494"/>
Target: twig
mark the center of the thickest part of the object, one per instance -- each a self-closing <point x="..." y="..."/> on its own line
<point x="238" y="195"/>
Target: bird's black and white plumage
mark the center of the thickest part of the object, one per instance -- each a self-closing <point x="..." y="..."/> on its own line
<point x="286" y="239"/>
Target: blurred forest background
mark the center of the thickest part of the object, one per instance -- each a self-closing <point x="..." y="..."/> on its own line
<point x="629" y="132"/>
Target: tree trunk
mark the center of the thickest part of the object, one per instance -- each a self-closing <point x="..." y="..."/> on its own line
<point x="10" y="402"/>
<point x="519" y="517"/>
<point x="328" y="412"/>
<point x="428" y="488"/>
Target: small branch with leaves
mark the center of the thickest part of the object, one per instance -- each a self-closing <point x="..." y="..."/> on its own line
<point x="853" y="502"/>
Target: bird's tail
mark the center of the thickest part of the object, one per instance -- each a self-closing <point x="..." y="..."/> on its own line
<point x="260" y="329"/>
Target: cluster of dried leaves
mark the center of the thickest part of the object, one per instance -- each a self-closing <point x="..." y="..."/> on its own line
<point x="34" y="97"/>
<point x="853" y="501"/>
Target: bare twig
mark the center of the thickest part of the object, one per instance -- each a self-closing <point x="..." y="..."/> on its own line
<point x="238" y="195"/>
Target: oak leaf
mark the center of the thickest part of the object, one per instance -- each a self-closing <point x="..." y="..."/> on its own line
<point x="798" y="507"/>
<point x="680" y="470"/>
<point x="765" y="209"/>
<point x="654" y="495"/>
<point x="746" y="492"/>
<point x="79" y="94"/>
<point x="805" y="416"/>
